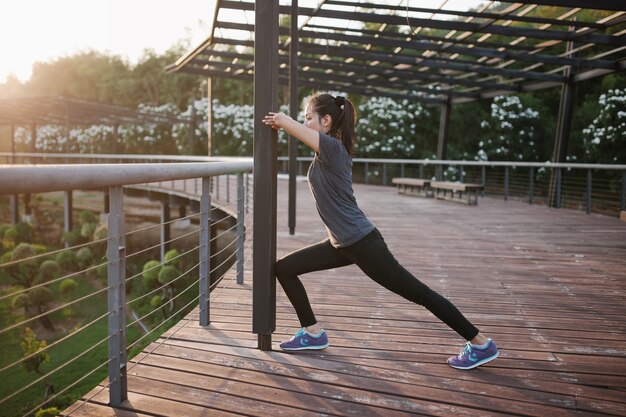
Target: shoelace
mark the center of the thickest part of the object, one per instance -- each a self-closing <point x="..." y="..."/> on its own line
<point x="300" y="332"/>
<point x="465" y="350"/>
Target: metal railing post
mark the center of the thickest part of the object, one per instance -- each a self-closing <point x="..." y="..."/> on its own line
<point x="483" y="179"/>
<point x="205" y="252"/>
<point x="227" y="188"/>
<point x="531" y="185"/>
<point x="15" y="208"/>
<point x="558" y="188"/>
<point x="589" y="179"/>
<point x="506" y="183"/>
<point x="240" y="228"/>
<point x="367" y="173"/>
<point x="384" y="173"/>
<point x="402" y="170"/>
<point x="68" y="208"/>
<point x="421" y="170"/>
<point x="116" y="254"/>
<point x="622" y="204"/>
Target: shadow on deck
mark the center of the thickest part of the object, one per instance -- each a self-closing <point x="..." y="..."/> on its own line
<point x="548" y="285"/>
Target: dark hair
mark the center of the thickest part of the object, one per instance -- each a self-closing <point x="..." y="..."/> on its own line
<point x="341" y="111"/>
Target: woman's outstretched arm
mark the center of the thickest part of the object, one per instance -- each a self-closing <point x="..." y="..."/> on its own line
<point x="306" y="135"/>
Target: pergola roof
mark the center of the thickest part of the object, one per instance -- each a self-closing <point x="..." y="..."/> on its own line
<point x="427" y="54"/>
<point x="72" y="111"/>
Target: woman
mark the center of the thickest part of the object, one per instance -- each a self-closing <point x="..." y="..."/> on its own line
<point x="328" y="129"/>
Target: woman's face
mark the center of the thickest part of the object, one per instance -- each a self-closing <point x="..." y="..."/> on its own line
<point x="314" y="121"/>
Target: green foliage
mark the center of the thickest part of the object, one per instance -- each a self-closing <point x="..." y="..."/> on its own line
<point x="605" y="137"/>
<point x="510" y="132"/>
<point x="102" y="273"/>
<point x="48" y="412"/>
<point x="167" y="274"/>
<point x="67" y="287"/>
<point x="171" y="257"/>
<point x="15" y="234"/>
<point x="31" y="345"/>
<point x="84" y="256"/>
<point x="24" y="272"/>
<point x="67" y="260"/>
<point x="389" y="128"/>
<point x="20" y="301"/>
<point x="49" y="270"/>
<point x="151" y="271"/>
<point x="87" y="230"/>
<point x="73" y="237"/>
<point x="156" y="301"/>
<point x="85" y="217"/>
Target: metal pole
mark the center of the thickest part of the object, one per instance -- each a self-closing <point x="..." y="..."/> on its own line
<point x="531" y="185"/>
<point x="264" y="243"/>
<point x="462" y="175"/>
<point x="240" y="228"/>
<point x="68" y="208"/>
<point x="15" y="209"/>
<point x="293" y="111"/>
<point x="506" y="183"/>
<point x="116" y="254"/>
<point x="227" y="188"/>
<point x="165" y="228"/>
<point x="421" y="170"/>
<point x="367" y="173"/>
<point x="384" y="173"/>
<point x="402" y="170"/>
<point x="205" y="252"/>
<point x="622" y="204"/>
<point x="483" y="180"/>
<point x="588" y="191"/>
<point x="558" y="188"/>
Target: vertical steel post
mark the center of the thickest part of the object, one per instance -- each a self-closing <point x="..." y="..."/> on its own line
<point x="166" y="234"/>
<point x="531" y="185"/>
<point x="293" y="112"/>
<point x="588" y="191"/>
<point x="227" y="188"/>
<point x="217" y="187"/>
<point x="442" y="140"/>
<point x="506" y="183"/>
<point x="15" y="209"/>
<point x="264" y="243"/>
<point x="622" y="204"/>
<point x="240" y="228"/>
<point x="384" y="173"/>
<point x="421" y="170"/>
<point x="116" y="254"/>
<point x="483" y="180"/>
<point x="462" y="175"/>
<point x="205" y="252"/>
<point x="68" y="208"/>
<point x="558" y="188"/>
<point x="402" y="170"/>
<point x="367" y="173"/>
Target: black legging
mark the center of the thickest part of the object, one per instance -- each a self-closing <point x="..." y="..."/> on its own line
<point x="374" y="258"/>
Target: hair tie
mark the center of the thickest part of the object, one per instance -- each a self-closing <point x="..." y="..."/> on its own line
<point x="340" y="101"/>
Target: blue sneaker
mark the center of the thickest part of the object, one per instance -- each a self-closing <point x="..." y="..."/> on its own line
<point x="303" y="340"/>
<point x="470" y="357"/>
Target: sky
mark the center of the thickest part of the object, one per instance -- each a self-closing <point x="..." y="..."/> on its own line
<point x="42" y="30"/>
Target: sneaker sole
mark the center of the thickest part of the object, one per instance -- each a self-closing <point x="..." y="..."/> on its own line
<point x="306" y="348"/>
<point x="477" y="364"/>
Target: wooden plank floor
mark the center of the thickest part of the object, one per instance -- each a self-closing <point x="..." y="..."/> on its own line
<point x="548" y="285"/>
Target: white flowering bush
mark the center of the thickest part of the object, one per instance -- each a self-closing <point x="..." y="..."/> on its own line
<point x="509" y="133"/>
<point x="389" y="128"/>
<point x="605" y="137"/>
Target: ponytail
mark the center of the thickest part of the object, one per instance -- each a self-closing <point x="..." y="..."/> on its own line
<point x="343" y="116"/>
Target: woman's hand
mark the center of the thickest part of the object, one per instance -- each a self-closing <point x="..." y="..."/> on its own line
<point x="275" y="120"/>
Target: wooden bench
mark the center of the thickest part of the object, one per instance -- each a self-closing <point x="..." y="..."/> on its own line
<point x="416" y="186"/>
<point x="459" y="191"/>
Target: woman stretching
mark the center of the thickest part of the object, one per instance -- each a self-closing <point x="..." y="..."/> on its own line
<point x="328" y="129"/>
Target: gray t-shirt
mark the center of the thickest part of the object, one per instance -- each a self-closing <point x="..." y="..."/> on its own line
<point x="330" y="181"/>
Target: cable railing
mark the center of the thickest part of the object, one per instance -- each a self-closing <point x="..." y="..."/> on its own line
<point x="599" y="188"/>
<point x="56" y="342"/>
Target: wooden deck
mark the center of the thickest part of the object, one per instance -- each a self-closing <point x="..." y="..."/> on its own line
<point x="548" y="285"/>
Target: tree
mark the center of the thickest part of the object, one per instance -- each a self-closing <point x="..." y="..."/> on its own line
<point x="150" y="274"/>
<point x="24" y="272"/>
<point x="32" y="349"/>
<point x="605" y="137"/>
<point x="509" y="132"/>
<point x="39" y="298"/>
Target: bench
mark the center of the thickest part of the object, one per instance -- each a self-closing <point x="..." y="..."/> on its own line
<point x="416" y="186"/>
<point x="458" y="190"/>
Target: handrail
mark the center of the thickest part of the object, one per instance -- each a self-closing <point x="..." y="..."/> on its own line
<point x="43" y="178"/>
